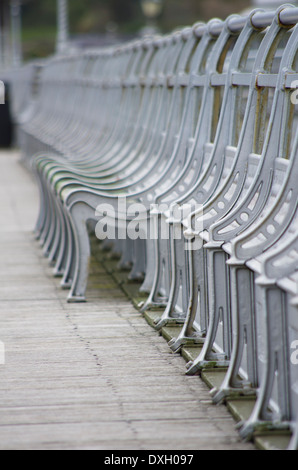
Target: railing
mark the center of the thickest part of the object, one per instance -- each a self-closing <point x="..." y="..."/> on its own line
<point x="182" y="151"/>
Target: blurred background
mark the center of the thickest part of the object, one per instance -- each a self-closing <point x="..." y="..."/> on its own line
<point x="28" y="28"/>
<point x="100" y="22"/>
<point x="34" y="29"/>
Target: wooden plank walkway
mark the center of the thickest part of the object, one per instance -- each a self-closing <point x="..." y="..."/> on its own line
<point x="92" y="376"/>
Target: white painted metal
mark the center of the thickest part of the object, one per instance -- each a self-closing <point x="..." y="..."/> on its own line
<point x="204" y="116"/>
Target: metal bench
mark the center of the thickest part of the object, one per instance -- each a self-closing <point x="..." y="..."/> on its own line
<point x="171" y="144"/>
<point x="289" y="286"/>
<point x="220" y="185"/>
<point x="255" y="190"/>
<point x="195" y="132"/>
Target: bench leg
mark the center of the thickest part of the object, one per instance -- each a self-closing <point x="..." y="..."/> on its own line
<point x="52" y="230"/>
<point x="70" y="256"/>
<point x="244" y="341"/>
<point x="273" y="351"/>
<point x="80" y="213"/>
<point x="197" y="303"/>
<point x="53" y="255"/>
<point x="150" y="266"/>
<point x="42" y="208"/>
<point x="162" y="274"/>
<point x="48" y="218"/>
<point x="61" y="262"/>
<point x="139" y="261"/>
<point x="219" y="311"/>
<point x="126" y="261"/>
<point x="116" y="252"/>
<point x="176" y="310"/>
